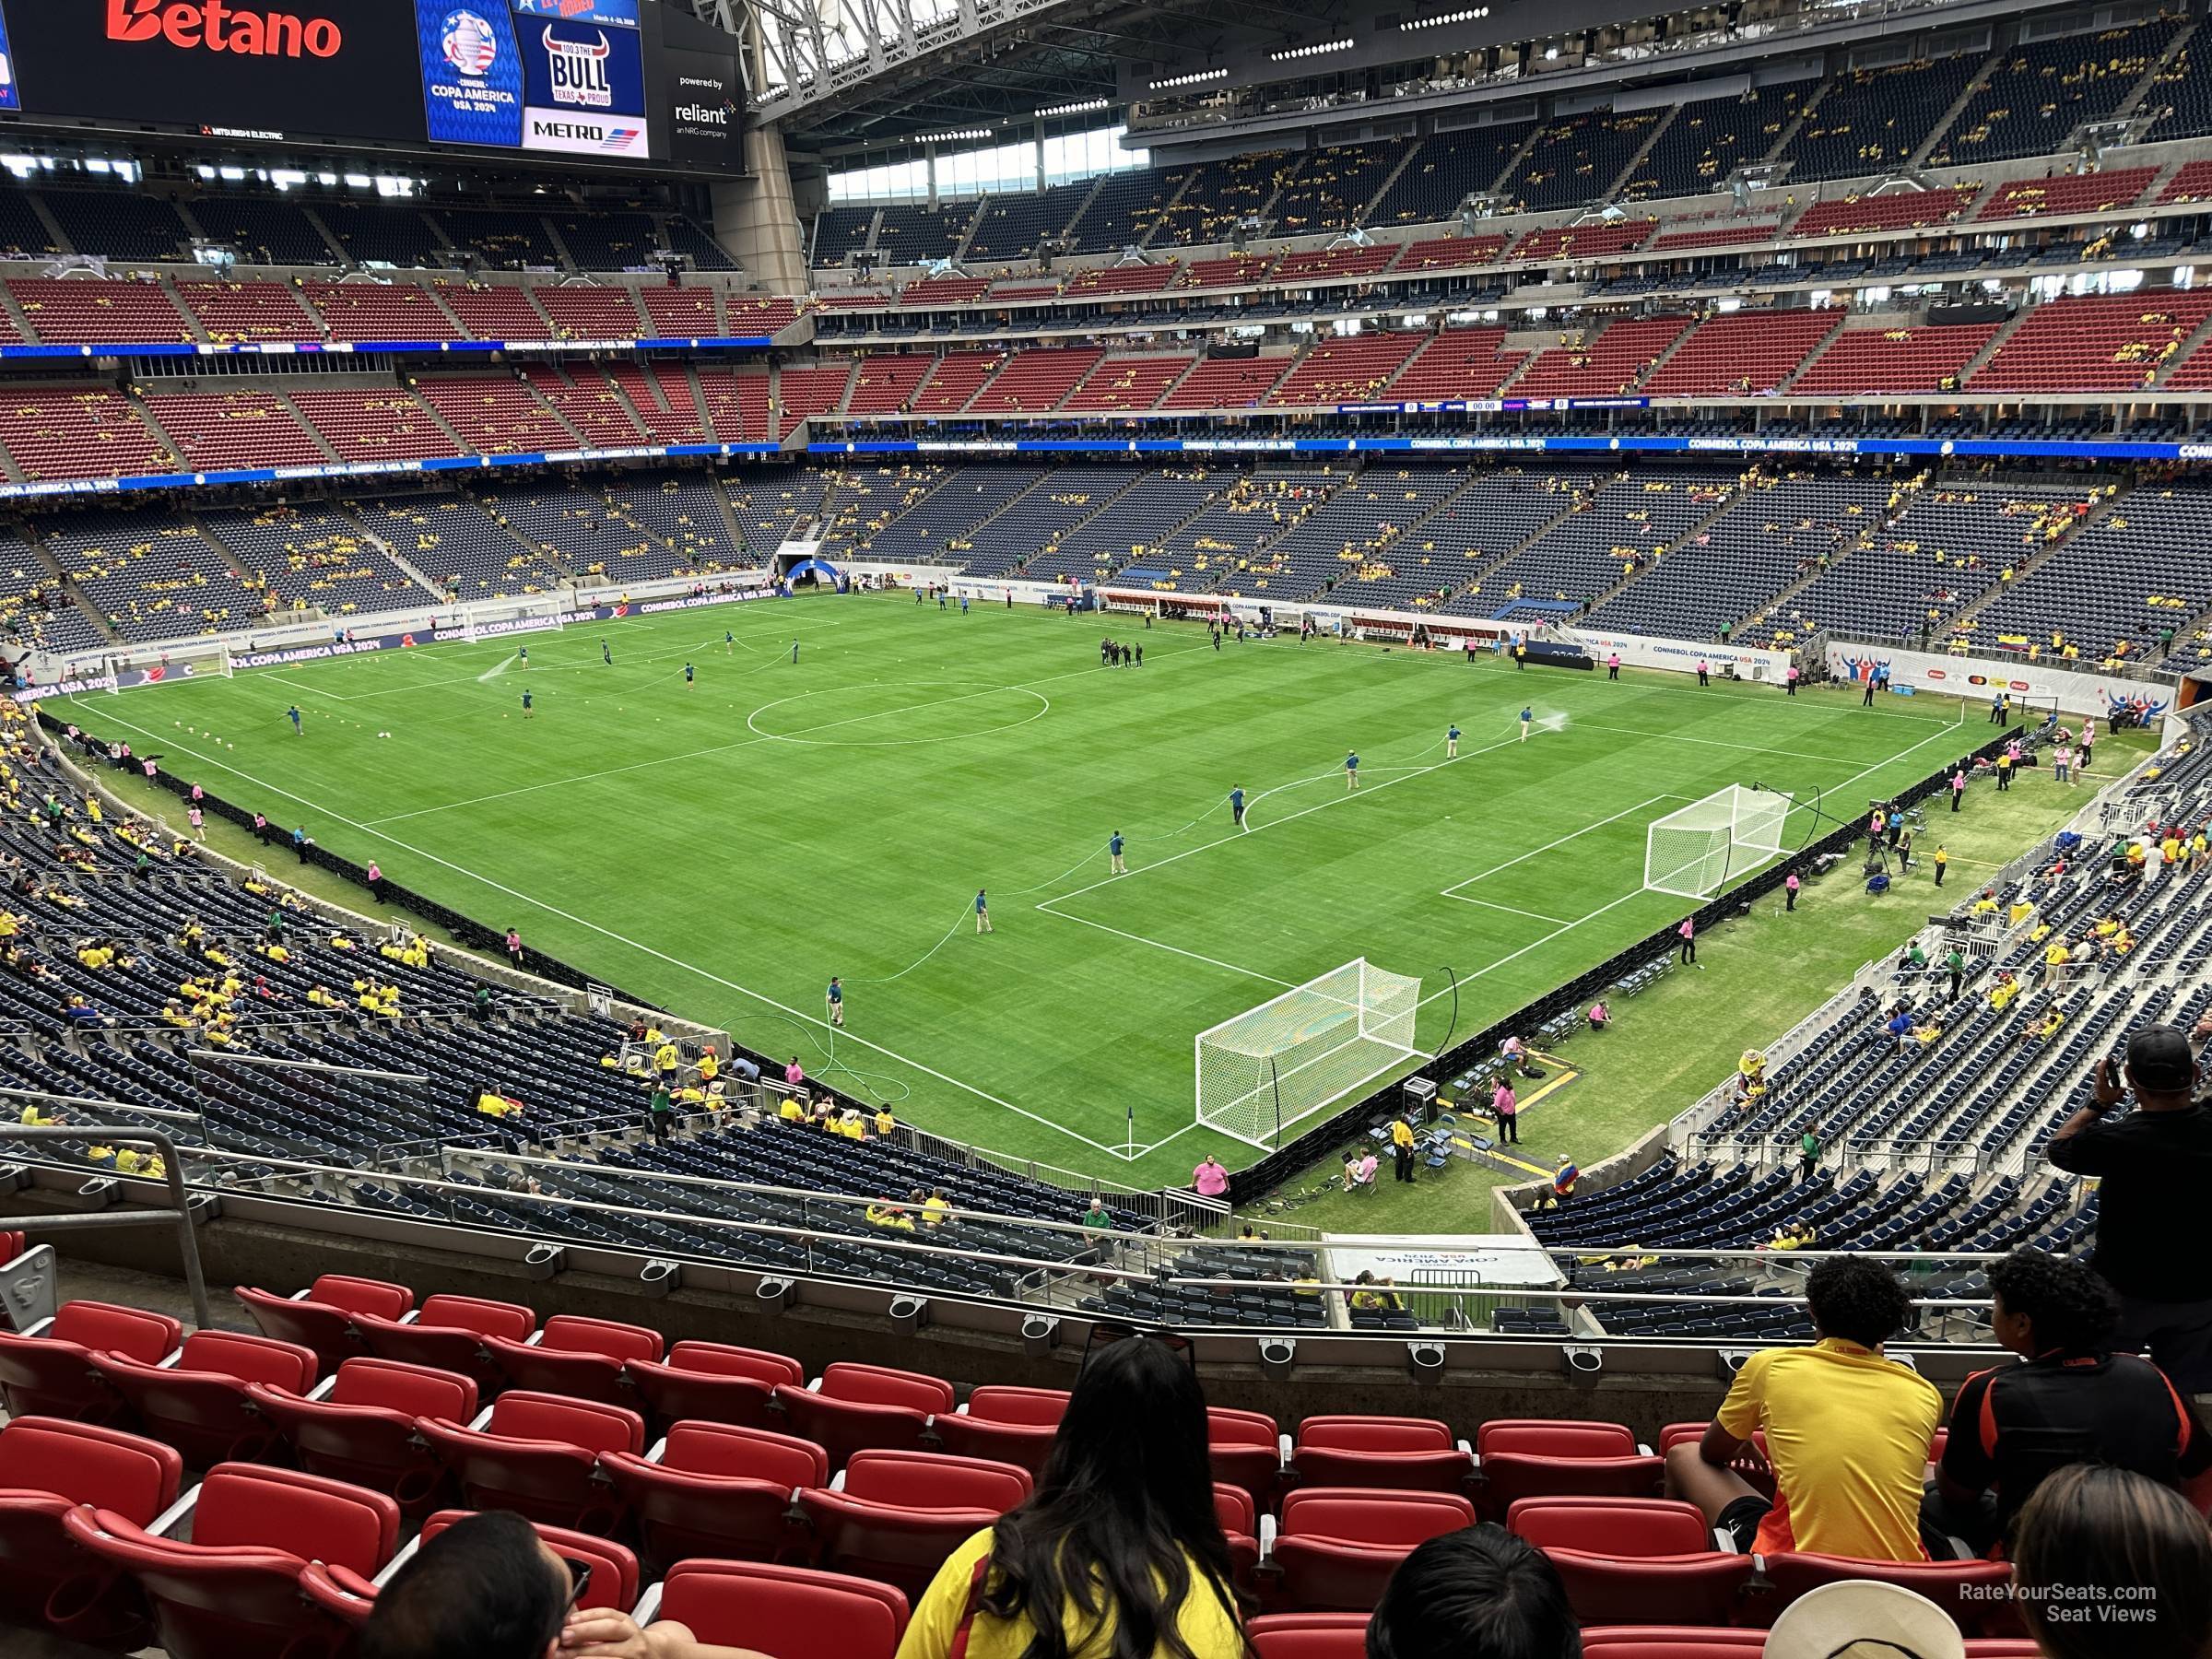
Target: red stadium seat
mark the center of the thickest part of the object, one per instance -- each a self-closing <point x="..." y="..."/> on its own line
<point x="1339" y="1547"/>
<point x="719" y="1489"/>
<point x="323" y="1319"/>
<point x="1240" y="1525"/>
<point x="901" y="1513"/>
<point x="1246" y="1450"/>
<point x="11" y="1246"/>
<point x="570" y="1354"/>
<point x="787" y="1612"/>
<point x="347" y="1598"/>
<point x="615" y="1576"/>
<point x="1517" y="1458"/>
<point x="710" y="1382"/>
<point x="1751" y="1465"/>
<point x="448" y="1333"/>
<point x="200" y="1406"/>
<point x="1006" y="1425"/>
<point x="49" y="1372"/>
<point x="1970" y="1592"/>
<point x="863" y="1407"/>
<point x="1308" y="1636"/>
<point x="1670" y="1642"/>
<point x="233" y="1591"/>
<point x="363" y="1429"/>
<point x="1404" y="1454"/>
<point x="536" y="1454"/>
<point x="1624" y="1560"/>
<point x="49" y="1465"/>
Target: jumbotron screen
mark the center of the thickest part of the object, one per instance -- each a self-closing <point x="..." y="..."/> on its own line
<point x="608" y="82"/>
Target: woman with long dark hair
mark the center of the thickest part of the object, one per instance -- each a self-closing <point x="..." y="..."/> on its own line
<point x="1118" y="1555"/>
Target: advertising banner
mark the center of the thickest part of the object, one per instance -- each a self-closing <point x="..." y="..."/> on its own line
<point x="583" y="89"/>
<point x="341" y="68"/>
<point x="472" y="73"/>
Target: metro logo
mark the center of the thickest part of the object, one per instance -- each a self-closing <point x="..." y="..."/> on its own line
<point x="218" y="28"/>
<point x="212" y="25"/>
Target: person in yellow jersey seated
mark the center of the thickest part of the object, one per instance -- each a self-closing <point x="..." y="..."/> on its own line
<point x="936" y="1209"/>
<point x="1847" y="1431"/>
<point x="37" y="1117"/>
<point x="129" y="1161"/>
<point x="320" y="998"/>
<point x="1117" y="1545"/>
<point x="793" y="1110"/>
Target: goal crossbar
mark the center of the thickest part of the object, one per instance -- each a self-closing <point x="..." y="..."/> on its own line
<point x="1694" y="852"/>
<point x="1275" y="1065"/>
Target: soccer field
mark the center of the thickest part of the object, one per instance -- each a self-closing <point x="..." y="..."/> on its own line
<point x="724" y="847"/>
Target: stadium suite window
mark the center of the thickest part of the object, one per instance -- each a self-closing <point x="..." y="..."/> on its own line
<point x="1065" y="159"/>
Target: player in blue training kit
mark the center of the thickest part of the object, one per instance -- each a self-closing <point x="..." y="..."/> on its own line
<point x="1527" y="719"/>
<point x="1452" y="744"/>
<point x="729" y="641"/>
<point x="983" y="912"/>
<point x="963" y="605"/>
<point x="1236" y="808"/>
<point x="1351" y="771"/>
<point x="795" y="652"/>
<point x="292" y="714"/>
<point x="1113" y="852"/>
<point x="690" y="674"/>
<point x="837" y="1002"/>
<point x="522" y="654"/>
<point x="529" y="709"/>
<point x="606" y="655"/>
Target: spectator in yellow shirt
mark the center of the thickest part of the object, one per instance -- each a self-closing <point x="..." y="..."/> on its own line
<point x="1847" y="1431"/>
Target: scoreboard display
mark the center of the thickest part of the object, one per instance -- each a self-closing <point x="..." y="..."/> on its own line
<point x="613" y="82"/>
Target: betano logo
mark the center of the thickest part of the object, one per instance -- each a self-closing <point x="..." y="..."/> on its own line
<point x="220" y="28"/>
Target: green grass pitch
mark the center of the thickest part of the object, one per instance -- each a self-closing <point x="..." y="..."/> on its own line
<point x="724" y="847"/>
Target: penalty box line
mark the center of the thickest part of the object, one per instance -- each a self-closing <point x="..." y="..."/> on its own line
<point x="1123" y="1153"/>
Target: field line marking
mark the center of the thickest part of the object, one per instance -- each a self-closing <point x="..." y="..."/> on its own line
<point x="1638" y="893"/>
<point x="1756" y="749"/>
<point x="1452" y="891"/>
<point x="724" y="748"/>
<point x="642" y="949"/>
<point x="1286" y="818"/>
<point x="1158" y="945"/>
<point x="1509" y="909"/>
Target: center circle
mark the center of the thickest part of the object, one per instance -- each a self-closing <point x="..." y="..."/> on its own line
<point x="846" y="717"/>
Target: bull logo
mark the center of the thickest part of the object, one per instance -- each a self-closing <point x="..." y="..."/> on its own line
<point x="579" y="71"/>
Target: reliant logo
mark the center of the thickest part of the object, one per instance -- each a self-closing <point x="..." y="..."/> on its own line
<point x="212" y="25"/>
<point x="703" y="113"/>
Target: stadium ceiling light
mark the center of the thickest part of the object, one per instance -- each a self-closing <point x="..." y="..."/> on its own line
<point x="961" y="136"/>
<point x="1085" y="107"/>
<point x="1291" y="52"/>
<point x="1196" y="77"/>
<point x="1469" y="14"/>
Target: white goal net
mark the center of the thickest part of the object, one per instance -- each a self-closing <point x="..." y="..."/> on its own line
<point x="1695" y="852"/>
<point x="183" y="659"/>
<point x="1280" y="1062"/>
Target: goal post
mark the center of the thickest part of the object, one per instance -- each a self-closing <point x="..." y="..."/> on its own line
<point x="155" y="665"/>
<point x="1696" y="850"/>
<point x="1278" y="1065"/>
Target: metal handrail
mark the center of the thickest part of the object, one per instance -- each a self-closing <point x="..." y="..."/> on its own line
<point x="179" y="1213"/>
